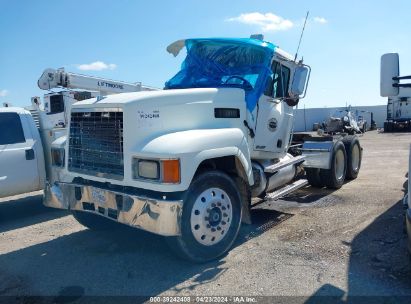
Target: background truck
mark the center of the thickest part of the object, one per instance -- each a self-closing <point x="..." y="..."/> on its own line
<point x="343" y="121"/>
<point x="27" y="135"/>
<point x="399" y="111"/>
<point x="399" y="94"/>
<point x="185" y="162"/>
<point x="22" y="167"/>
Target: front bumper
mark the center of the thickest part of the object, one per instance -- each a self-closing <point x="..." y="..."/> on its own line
<point x="154" y="215"/>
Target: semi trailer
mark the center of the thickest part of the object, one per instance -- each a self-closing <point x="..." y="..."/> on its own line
<point x="185" y="162"/>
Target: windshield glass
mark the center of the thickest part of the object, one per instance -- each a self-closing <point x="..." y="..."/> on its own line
<point x="214" y="63"/>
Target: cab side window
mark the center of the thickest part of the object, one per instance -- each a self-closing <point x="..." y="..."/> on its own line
<point x="11" y="130"/>
<point x="277" y="85"/>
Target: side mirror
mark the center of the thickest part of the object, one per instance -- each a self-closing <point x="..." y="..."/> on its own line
<point x="300" y="81"/>
<point x="390" y="68"/>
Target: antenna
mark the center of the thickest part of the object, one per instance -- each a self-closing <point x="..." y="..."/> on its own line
<point x="301" y="37"/>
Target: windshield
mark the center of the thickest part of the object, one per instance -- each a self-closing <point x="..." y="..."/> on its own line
<point x="213" y="63"/>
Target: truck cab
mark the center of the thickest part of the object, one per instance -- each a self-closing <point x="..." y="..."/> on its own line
<point x="184" y="162"/>
<point x="21" y="153"/>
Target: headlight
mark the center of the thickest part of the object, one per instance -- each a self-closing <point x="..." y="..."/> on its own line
<point x="146" y="169"/>
<point x="57" y="157"/>
<point x="165" y="171"/>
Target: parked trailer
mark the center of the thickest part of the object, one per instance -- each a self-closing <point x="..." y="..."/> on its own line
<point x="186" y="161"/>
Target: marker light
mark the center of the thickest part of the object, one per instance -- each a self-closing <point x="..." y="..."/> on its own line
<point x="171" y="171"/>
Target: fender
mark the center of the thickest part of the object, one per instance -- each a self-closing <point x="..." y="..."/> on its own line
<point x="194" y="146"/>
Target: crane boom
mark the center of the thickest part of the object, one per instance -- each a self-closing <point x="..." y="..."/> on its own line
<point x="59" y="78"/>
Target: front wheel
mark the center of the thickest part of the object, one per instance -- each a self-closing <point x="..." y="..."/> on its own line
<point x="211" y="218"/>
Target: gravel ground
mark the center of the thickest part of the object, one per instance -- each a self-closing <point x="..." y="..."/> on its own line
<point x="341" y="243"/>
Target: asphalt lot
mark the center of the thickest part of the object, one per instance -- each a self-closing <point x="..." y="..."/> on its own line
<point x="342" y="243"/>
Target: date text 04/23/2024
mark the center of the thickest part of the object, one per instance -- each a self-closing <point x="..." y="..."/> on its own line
<point x="203" y="299"/>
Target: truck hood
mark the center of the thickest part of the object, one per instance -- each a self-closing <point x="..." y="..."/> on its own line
<point x="180" y="96"/>
<point x="154" y="113"/>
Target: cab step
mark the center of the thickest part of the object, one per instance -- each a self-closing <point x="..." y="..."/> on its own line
<point x="273" y="196"/>
<point x="282" y="164"/>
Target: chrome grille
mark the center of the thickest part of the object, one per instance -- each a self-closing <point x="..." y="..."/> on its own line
<point x="96" y="144"/>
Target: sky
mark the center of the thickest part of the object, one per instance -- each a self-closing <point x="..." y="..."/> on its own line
<point x="126" y="40"/>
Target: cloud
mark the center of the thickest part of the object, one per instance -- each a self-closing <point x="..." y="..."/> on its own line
<point x="268" y="22"/>
<point x="321" y="20"/>
<point x="96" y="66"/>
<point x="3" y="93"/>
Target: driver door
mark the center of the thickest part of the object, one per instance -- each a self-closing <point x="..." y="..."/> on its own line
<point x="274" y="117"/>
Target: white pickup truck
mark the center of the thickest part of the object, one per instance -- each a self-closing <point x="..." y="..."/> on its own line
<point x="184" y="162"/>
<point x="22" y="166"/>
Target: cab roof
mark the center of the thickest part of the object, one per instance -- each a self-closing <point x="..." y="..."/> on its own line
<point x="14" y="110"/>
<point x="175" y="47"/>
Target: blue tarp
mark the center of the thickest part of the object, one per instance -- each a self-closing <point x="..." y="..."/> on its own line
<point x="219" y="62"/>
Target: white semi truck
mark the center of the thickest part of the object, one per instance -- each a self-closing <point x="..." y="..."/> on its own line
<point x="399" y="94"/>
<point x="399" y="111"/>
<point x="26" y="137"/>
<point x="185" y="162"/>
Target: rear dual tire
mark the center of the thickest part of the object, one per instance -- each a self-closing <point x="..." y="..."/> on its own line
<point x="354" y="156"/>
<point x="334" y="177"/>
<point x="345" y="164"/>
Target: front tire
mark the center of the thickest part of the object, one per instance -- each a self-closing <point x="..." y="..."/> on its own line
<point x="211" y="218"/>
<point x="334" y="177"/>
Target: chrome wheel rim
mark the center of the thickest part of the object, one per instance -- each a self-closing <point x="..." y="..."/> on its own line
<point x="339" y="164"/>
<point x="355" y="158"/>
<point x="211" y="216"/>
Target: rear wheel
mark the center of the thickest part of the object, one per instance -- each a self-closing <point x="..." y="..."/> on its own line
<point x="334" y="177"/>
<point x="211" y="218"/>
<point x="354" y="156"/>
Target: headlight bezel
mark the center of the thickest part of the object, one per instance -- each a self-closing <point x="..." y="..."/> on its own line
<point x="168" y="170"/>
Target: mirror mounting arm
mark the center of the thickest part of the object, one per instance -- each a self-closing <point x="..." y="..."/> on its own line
<point x="401" y="85"/>
<point x="401" y="77"/>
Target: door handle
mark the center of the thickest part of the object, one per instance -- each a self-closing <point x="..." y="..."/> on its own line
<point x="30" y="154"/>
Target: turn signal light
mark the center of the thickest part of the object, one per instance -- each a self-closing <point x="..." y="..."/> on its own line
<point x="171" y="171"/>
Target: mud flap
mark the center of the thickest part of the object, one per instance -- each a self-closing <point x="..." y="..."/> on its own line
<point x="245" y="194"/>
